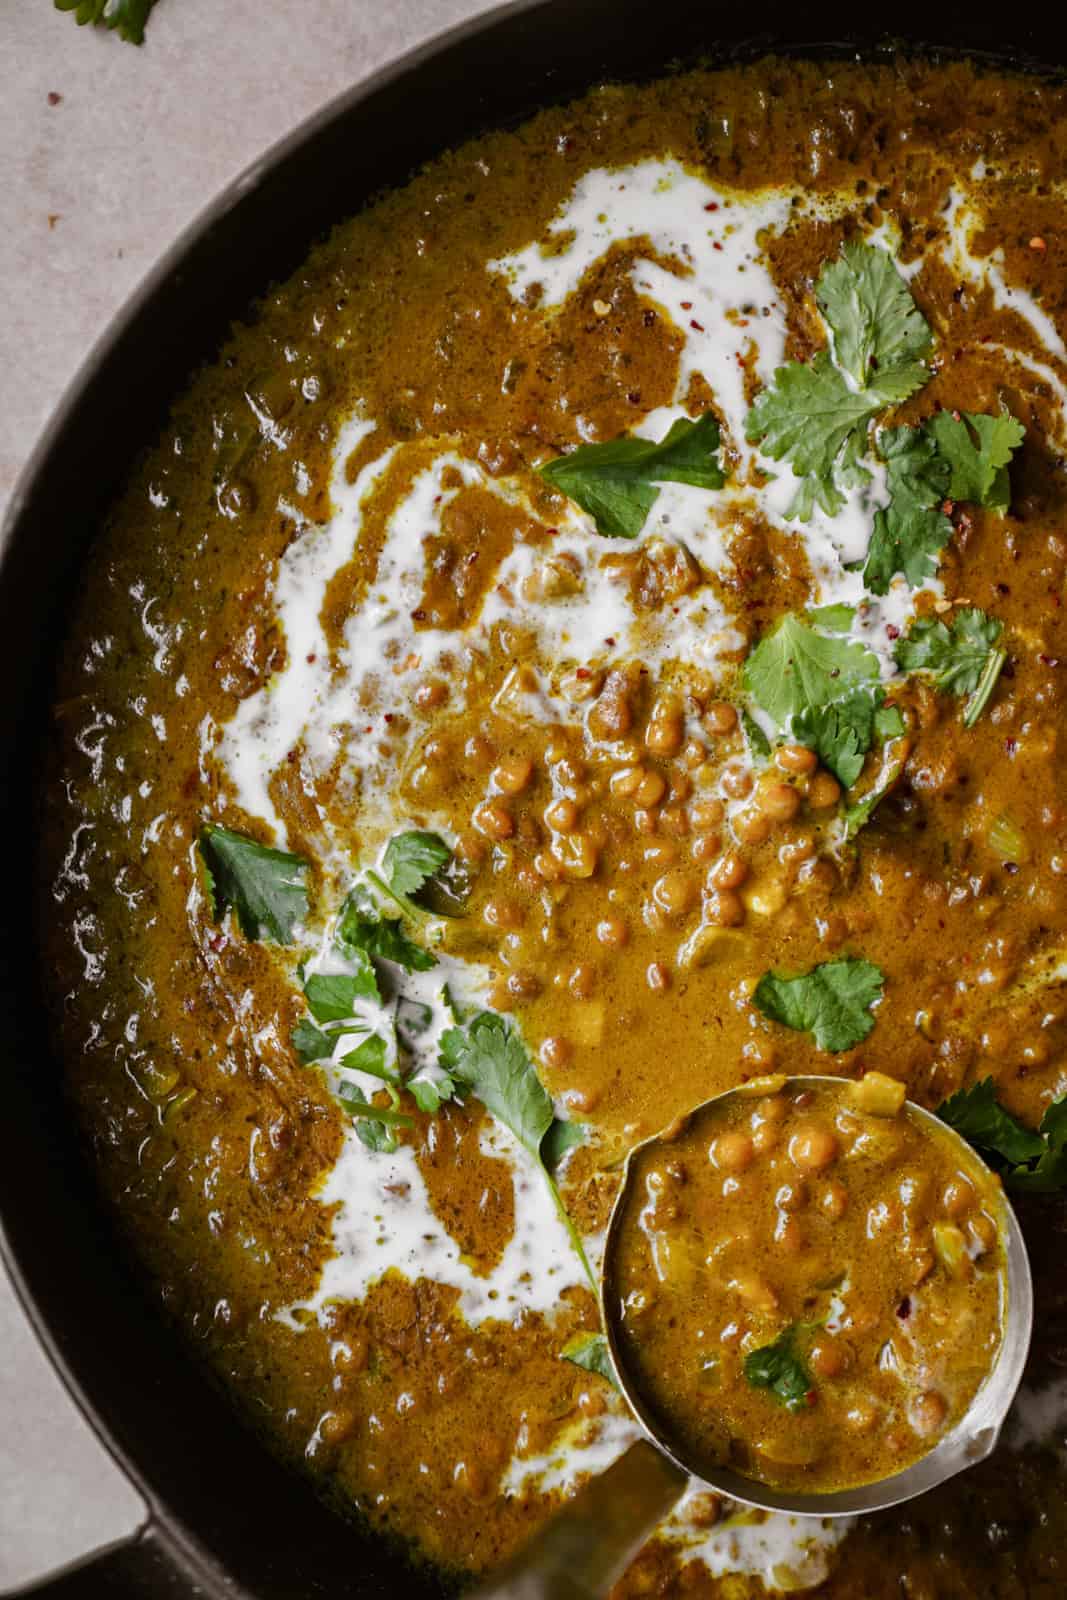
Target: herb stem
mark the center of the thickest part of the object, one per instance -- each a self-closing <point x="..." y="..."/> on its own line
<point x="979" y="699"/>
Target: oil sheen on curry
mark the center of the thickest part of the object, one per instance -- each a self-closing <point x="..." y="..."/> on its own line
<point x="594" y="638"/>
<point x="765" y="1322"/>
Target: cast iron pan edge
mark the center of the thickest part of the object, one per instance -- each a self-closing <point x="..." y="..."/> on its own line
<point x="227" y="1519"/>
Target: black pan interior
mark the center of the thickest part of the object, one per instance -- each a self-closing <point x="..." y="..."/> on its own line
<point x="230" y="1520"/>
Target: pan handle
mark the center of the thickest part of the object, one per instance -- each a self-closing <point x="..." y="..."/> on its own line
<point x="64" y="1502"/>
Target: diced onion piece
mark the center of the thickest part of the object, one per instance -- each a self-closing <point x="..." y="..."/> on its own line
<point x="878" y="1094"/>
<point x="1008" y="840"/>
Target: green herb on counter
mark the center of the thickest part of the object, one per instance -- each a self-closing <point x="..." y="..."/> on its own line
<point x="963" y="658"/>
<point x="265" y="888"/>
<point x="616" y="482"/>
<point x="778" y="1368"/>
<point x="127" y="17"/>
<point x="832" y="1002"/>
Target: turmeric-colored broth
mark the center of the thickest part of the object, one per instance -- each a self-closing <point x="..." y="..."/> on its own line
<point x="337" y="601"/>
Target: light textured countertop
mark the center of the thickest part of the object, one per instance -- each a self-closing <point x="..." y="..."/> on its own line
<point x="106" y="152"/>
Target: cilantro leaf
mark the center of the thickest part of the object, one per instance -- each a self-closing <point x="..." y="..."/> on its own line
<point x="372" y="1056"/>
<point x="834" y="619"/>
<point x="860" y="812"/>
<point x="794" y="669"/>
<point x="430" y="1093"/>
<point x="840" y="733"/>
<point x="127" y="16"/>
<point x="976" y="1115"/>
<point x="331" y="996"/>
<point x="832" y="1001"/>
<point x="590" y="1351"/>
<point x="806" y="417"/>
<point x="375" y="1125"/>
<point x="964" y="658"/>
<point x="978" y="449"/>
<point x="412" y="857"/>
<point x="561" y="1138"/>
<point x="362" y="927"/>
<point x="910" y="533"/>
<point x="488" y="1057"/>
<point x="616" y="482"/>
<point x="310" y="1043"/>
<point x="875" y="323"/>
<point x="265" y="888"/>
<point x="778" y="1368"/>
<point x="1049" y="1172"/>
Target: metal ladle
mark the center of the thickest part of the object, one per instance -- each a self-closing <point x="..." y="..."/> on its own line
<point x="587" y="1546"/>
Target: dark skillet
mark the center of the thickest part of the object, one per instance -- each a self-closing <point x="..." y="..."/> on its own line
<point x="225" y="1518"/>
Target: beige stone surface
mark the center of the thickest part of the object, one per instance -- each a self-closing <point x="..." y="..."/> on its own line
<point x="94" y="185"/>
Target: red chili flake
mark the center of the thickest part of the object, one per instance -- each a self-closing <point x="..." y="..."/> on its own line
<point x="948" y="506"/>
<point x="312" y="658"/>
<point x="1037" y="243"/>
<point x="686" y="305"/>
<point x="1049" y="661"/>
<point x="712" y="205"/>
<point x="582" y="672"/>
<point x="419" y="615"/>
<point x="551" y="532"/>
<point x="715" y="245"/>
<point x="693" y="323"/>
<point x="610" y="642"/>
<point x="648" y="318"/>
<point x="388" y="716"/>
<point x="810" y="1398"/>
<point x="217" y="941"/>
<point x="742" y="322"/>
<point x="892" y="631"/>
<point x="1002" y="588"/>
<point x="904" y="1309"/>
<point x="53" y="97"/>
<point x="1011" y="745"/>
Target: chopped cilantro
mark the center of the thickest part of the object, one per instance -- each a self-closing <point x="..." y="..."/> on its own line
<point x="590" y="1350"/>
<point x="372" y="1056"/>
<point x="310" y="1043"/>
<point x="265" y="888"/>
<point x="759" y="746"/>
<point x="977" y="449"/>
<point x="128" y="17"/>
<point x="910" y="533"/>
<point x="976" y="1115"/>
<point x="331" y="996"/>
<point x="795" y="669"/>
<point x="616" y="482"/>
<point x="963" y="658"/>
<point x="562" y="1137"/>
<point x="430" y="1092"/>
<point x="860" y="812"/>
<point x="778" y="1368"/>
<point x="362" y="927"/>
<point x="834" y="619"/>
<point x="1025" y="1159"/>
<point x="375" y="1125"/>
<point x="840" y="733"/>
<point x="413" y="857"/>
<point x="875" y="323"/>
<point x="832" y="1002"/>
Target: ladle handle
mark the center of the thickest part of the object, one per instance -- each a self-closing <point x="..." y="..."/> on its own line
<point x="588" y="1545"/>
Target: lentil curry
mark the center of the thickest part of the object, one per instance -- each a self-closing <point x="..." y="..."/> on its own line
<point x="439" y="802"/>
<point x="763" y="1218"/>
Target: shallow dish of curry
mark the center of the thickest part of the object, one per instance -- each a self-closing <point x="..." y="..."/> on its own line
<point x="593" y="638"/>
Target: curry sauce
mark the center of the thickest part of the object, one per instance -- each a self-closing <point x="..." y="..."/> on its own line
<point x="436" y="808"/>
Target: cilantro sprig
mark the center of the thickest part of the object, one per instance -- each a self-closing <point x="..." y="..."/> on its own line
<point x="963" y="658"/>
<point x="266" y="889"/>
<point x="832" y="1002"/>
<point x="1026" y="1159"/>
<point x="616" y="482"/>
<point x="778" y="1368"/>
<point x="816" y="416"/>
<point x="487" y="1057"/>
<point x="127" y="17"/>
<point x="976" y="450"/>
